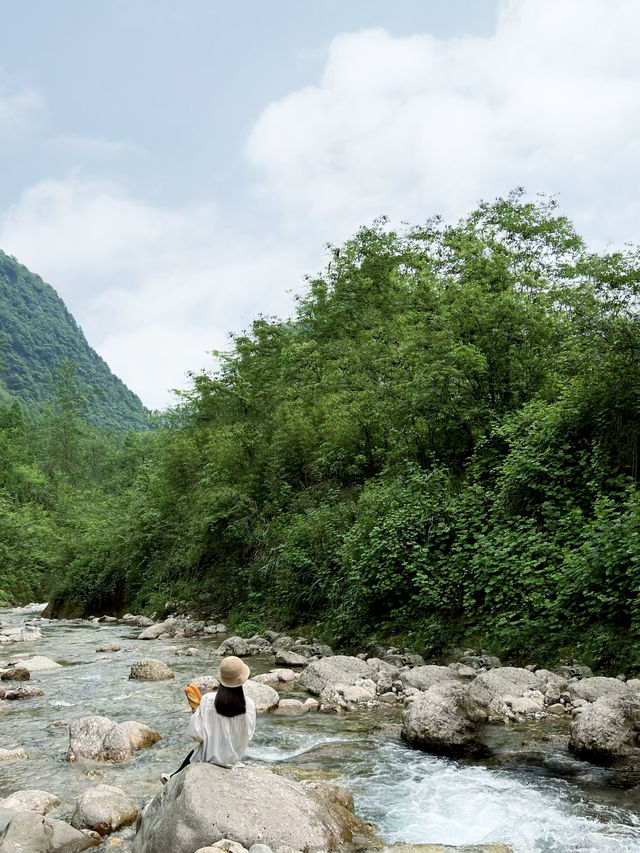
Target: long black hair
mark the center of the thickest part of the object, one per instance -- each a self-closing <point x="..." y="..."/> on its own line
<point x="230" y="701"/>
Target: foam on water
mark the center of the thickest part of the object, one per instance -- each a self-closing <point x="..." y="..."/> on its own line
<point x="415" y="798"/>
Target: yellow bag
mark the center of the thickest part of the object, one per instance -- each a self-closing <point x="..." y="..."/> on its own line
<point x="193" y="695"/>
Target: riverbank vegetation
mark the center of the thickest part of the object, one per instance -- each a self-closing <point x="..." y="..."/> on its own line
<point x="442" y="444"/>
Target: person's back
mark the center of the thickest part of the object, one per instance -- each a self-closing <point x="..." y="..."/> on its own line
<point x="222" y="732"/>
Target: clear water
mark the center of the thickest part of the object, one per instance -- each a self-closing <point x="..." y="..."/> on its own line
<point x="412" y="797"/>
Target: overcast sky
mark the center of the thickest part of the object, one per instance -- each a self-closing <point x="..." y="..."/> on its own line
<point x="174" y="169"/>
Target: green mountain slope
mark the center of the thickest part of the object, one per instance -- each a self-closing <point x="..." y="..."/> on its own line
<point x="38" y="334"/>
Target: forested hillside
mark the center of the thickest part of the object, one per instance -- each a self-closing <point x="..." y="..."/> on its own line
<point x="37" y="335"/>
<point x="441" y="446"/>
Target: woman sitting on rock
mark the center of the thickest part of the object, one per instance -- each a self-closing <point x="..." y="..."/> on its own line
<point x="224" y="721"/>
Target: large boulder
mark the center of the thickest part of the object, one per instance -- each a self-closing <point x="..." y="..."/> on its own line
<point x="592" y="689"/>
<point x="606" y="731"/>
<point x="424" y="677"/>
<point x="264" y="697"/>
<point x="30" y="800"/>
<point x="234" y="646"/>
<point x="436" y="721"/>
<point x="100" y="739"/>
<point x="29" y="832"/>
<point x="150" y="669"/>
<point x="331" y="671"/>
<point x="251" y="805"/>
<point x="288" y="657"/>
<point x="490" y="696"/>
<point x="167" y="628"/>
<point x="38" y="663"/>
<point x="106" y="805"/>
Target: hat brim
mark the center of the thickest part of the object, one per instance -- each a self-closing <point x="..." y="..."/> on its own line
<point x="237" y="680"/>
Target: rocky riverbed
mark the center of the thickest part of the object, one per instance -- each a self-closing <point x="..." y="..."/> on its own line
<point x="498" y="770"/>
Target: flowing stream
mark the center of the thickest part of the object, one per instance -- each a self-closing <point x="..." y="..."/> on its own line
<point x="412" y="797"/>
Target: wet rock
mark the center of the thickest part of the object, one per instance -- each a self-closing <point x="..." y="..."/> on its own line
<point x="25" y="691"/>
<point x="100" y="739"/>
<point x="259" y="645"/>
<point x="104" y="804"/>
<point x="591" y="689"/>
<point x="606" y="731"/>
<point x="436" y="721"/>
<point x="488" y="691"/>
<point x="150" y="669"/>
<point x="17" y="673"/>
<point x="28" y="831"/>
<point x="39" y="663"/>
<point x="265" y="698"/>
<point x="110" y="620"/>
<point x="250" y="805"/>
<point x="108" y="647"/>
<point x="234" y="646"/>
<point x="337" y="670"/>
<point x="12" y="754"/>
<point x="291" y="658"/>
<point x="424" y="677"/>
<point x="30" y="800"/>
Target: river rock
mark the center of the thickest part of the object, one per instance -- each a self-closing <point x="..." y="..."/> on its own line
<point x="108" y="647"/>
<point x="488" y="692"/>
<point x="104" y="804"/>
<point x="38" y="663"/>
<point x="436" y="721"/>
<point x="291" y="658"/>
<point x="424" y="677"/>
<point x="339" y="669"/>
<point x="16" y="673"/>
<point x="234" y="646"/>
<point x="206" y="683"/>
<point x="252" y="805"/>
<point x="150" y="669"/>
<point x="100" y="739"/>
<point x="264" y="697"/>
<point x="283" y="643"/>
<point x="26" y="634"/>
<point x="552" y="685"/>
<point x="12" y="754"/>
<point x="167" y="628"/>
<point x="291" y="706"/>
<point x="30" y="800"/>
<point x="348" y="696"/>
<point x="591" y="689"/>
<point x="25" y="691"/>
<point x="227" y="846"/>
<point x="606" y="731"/>
<point x="32" y="833"/>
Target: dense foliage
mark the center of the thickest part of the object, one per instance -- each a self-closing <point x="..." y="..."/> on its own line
<point x="442" y="445"/>
<point x="37" y="335"/>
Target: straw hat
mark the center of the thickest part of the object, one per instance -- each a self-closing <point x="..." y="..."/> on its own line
<point x="233" y="672"/>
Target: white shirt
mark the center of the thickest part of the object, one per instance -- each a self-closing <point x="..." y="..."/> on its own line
<point x="221" y="740"/>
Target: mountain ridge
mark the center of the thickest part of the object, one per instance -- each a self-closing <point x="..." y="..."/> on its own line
<point x="37" y="335"/>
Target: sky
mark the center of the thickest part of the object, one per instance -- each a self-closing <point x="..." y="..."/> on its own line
<point x="174" y="170"/>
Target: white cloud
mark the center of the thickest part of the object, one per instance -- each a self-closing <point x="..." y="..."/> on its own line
<point x="154" y="289"/>
<point x="411" y="126"/>
<point x="19" y="110"/>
